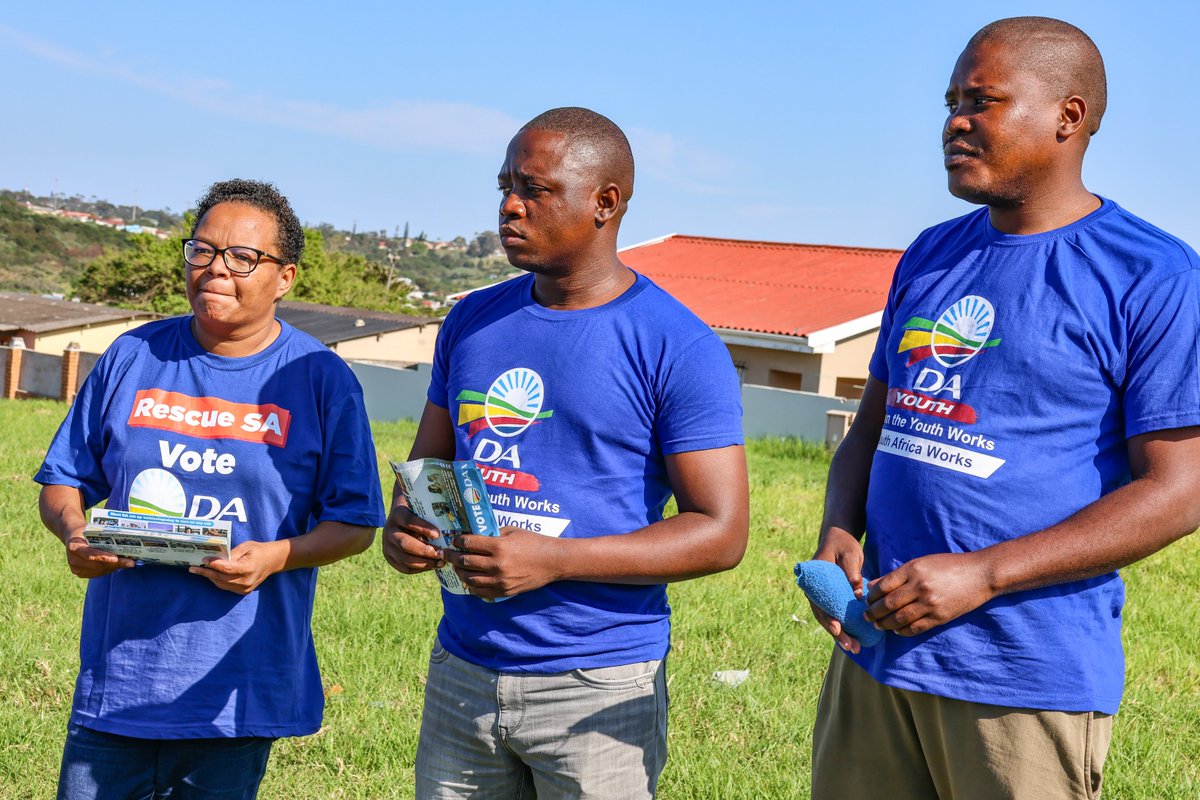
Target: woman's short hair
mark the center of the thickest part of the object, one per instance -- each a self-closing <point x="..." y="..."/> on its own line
<point x="265" y="197"/>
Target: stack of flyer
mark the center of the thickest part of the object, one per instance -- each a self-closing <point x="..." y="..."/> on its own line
<point x="451" y="496"/>
<point x="154" y="539"/>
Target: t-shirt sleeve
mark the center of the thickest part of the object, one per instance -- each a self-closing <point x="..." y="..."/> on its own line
<point x="878" y="367"/>
<point x="348" y="488"/>
<point x="1162" y="365"/>
<point x="439" y="377"/>
<point x="701" y="400"/>
<point x="75" y="455"/>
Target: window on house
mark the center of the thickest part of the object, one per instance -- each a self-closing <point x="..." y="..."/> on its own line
<point x="850" y="388"/>
<point x="782" y="379"/>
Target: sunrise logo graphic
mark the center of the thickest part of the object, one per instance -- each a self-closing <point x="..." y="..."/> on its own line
<point x="957" y="336"/>
<point x="156" y="491"/>
<point x="512" y="404"/>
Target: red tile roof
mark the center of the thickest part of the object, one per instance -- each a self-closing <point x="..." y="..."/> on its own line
<point x="769" y="287"/>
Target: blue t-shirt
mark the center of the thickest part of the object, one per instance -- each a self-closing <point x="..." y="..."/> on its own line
<point x="273" y="442"/>
<point x="1017" y="367"/>
<point x="570" y="414"/>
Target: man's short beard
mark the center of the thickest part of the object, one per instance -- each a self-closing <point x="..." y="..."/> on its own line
<point x="1003" y="196"/>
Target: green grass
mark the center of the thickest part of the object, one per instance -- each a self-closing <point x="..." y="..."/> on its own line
<point x="374" y="627"/>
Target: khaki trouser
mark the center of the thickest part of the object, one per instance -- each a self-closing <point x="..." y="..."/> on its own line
<point x="873" y="741"/>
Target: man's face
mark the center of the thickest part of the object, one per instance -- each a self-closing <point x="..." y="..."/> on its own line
<point x="1000" y="139"/>
<point x="548" y="205"/>
<point x="222" y="301"/>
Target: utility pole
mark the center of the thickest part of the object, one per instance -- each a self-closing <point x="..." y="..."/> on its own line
<point x="391" y="276"/>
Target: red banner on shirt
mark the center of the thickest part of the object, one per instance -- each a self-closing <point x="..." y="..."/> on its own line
<point x="934" y="407"/>
<point x="510" y="479"/>
<point x="210" y="417"/>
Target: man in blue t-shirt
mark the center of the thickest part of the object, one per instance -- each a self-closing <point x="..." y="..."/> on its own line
<point x="589" y="397"/>
<point x="1029" y="427"/>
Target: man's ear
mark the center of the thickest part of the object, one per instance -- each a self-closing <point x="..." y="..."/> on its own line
<point x="608" y="202"/>
<point x="1072" y="117"/>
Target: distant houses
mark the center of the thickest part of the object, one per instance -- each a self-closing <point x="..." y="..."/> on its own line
<point x="49" y="344"/>
<point x="48" y="324"/>
<point x="794" y="316"/>
<point x="802" y="317"/>
<point x="106" y="222"/>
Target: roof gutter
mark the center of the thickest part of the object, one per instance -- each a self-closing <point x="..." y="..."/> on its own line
<point x="766" y="341"/>
<point x="646" y="243"/>
<point x="823" y="340"/>
<point x="820" y="341"/>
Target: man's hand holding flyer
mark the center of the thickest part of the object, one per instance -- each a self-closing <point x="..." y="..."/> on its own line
<point x="451" y="496"/>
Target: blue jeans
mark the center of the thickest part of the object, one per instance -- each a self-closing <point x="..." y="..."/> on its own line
<point x="588" y="734"/>
<point x="105" y="766"/>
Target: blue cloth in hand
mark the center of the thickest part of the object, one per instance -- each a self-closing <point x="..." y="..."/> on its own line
<point x="828" y="587"/>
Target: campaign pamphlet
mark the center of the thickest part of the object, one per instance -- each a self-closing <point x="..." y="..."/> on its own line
<point x="451" y="496"/>
<point x="156" y="539"/>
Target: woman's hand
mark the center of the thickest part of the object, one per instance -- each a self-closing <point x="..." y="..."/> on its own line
<point x="86" y="561"/>
<point x="248" y="565"/>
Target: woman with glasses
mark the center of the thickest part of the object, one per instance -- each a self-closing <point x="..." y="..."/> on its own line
<point x="187" y="675"/>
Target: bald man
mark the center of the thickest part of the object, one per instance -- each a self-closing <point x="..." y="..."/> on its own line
<point x="589" y="397"/>
<point x="1029" y="427"/>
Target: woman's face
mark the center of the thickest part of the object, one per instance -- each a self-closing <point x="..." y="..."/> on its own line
<point x="228" y="305"/>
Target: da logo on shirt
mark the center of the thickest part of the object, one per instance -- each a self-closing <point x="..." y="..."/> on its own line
<point x="156" y="491"/>
<point x="958" y="335"/>
<point x="513" y="402"/>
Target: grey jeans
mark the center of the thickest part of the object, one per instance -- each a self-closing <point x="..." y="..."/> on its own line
<point x="588" y="733"/>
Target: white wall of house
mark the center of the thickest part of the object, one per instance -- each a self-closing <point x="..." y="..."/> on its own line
<point x="412" y="345"/>
<point x="782" y="369"/>
<point x="848" y="363"/>
<point x="839" y="373"/>
<point x="93" y="338"/>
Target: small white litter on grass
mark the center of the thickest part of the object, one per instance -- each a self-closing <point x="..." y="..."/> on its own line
<point x="731" y="677"/>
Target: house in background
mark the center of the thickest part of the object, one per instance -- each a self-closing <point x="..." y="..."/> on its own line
<point x="794" y="316"/>
<point x="361" y="335"/>
<point x="49" y="324"/>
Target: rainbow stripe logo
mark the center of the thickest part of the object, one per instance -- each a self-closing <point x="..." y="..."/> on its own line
<point x="512" y="404"/>
<point x="956" y="337"/>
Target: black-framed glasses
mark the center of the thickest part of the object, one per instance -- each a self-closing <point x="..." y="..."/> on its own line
<point x="239" y="259"/>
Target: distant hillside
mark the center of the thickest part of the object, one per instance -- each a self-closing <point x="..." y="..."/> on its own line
<point x="41" y="253"/>
<point x="130" y="215"/>
<point x="436" y="268"/>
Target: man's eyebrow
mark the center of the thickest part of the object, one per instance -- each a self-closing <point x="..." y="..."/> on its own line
<point x="523" y="175"/>
<point x="980" y="89"/>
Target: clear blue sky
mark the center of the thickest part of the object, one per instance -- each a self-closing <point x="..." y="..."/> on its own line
<point x="790" y="121"/>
